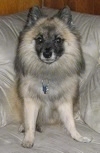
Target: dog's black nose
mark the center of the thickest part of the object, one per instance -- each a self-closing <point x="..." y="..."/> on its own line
<point x="47" y="54"/>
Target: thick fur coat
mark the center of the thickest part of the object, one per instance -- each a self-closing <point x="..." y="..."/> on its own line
<point x="48" y="65"/>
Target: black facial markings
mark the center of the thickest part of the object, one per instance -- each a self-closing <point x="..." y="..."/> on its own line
<point x="49" y="40"/>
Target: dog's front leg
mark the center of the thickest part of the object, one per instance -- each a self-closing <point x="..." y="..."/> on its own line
<point x="31" y="109"/>
<point x="65" y="110"/>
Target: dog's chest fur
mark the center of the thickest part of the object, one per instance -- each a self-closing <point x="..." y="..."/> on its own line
<point x="33" y="88"/>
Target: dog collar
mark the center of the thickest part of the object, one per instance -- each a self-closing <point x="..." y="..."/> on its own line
<point x="45" y="86"/>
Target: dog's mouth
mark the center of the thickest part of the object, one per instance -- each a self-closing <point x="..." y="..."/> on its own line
<point x="48" y="57"/>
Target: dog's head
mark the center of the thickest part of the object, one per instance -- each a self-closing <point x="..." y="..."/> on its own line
<point x="49" y="43"/>
<point x="49" y="33"/>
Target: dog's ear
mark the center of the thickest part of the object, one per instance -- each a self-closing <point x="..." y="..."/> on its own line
<point x="33" y="15"/>
<point x="65" y="15"/>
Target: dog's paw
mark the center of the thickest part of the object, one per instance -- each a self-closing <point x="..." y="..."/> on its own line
<point x="84" y="139"/>
<point x="76" y="136"/>
<point x="28" y="140"/>
<point x="27" y="143"/>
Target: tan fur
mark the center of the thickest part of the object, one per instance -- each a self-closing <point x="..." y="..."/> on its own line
<point x="63" y="82"/>
<point x="15" y="104"/>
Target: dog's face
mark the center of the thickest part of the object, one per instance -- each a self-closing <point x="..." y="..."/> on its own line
<point x="49" y="33"/>
<point x="49" y="44"/>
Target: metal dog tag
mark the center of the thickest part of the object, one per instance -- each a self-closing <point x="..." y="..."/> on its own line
<point x="45" y="86"/>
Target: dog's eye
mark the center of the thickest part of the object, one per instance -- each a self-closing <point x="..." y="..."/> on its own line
<point x="58" y="40"/>
<point x="39" y="39"/>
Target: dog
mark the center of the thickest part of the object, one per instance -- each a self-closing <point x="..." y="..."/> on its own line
<point x="48" y="65"/>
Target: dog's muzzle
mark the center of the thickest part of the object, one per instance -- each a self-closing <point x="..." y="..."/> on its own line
<point x="48" y="56"/>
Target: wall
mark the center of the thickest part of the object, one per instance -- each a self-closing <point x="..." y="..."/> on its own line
<point x="13" y="6"/>
<point x="84" y="6"/>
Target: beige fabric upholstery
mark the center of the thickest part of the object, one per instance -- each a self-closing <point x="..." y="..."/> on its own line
<point x="54" y="139"/>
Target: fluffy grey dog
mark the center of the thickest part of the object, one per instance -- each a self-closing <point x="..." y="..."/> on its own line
<point x="48" y="64"/>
